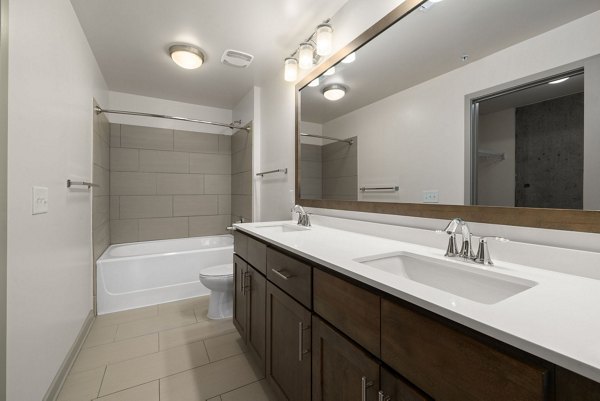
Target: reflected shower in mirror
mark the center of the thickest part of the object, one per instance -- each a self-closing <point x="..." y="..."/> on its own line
<point x="406" y="97"/>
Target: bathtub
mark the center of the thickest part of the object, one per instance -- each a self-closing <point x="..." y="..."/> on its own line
<point x="149" y="273"/>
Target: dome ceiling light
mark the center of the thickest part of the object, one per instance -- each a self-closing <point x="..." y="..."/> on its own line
<point x="186" y="56"/>
<point x="334" y="92"/>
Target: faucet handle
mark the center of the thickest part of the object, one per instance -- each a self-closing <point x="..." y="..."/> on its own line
<point x="452" y="249"/>
<point x="483" y="252"/>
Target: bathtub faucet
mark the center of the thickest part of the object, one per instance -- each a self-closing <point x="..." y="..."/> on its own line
<point x="303" y="217"/>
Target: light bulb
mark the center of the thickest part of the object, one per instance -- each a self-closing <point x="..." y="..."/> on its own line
<point x="324" y="39"/>
<point x="329" y="72"/>
<point x="314" y="82"/>
<point x="349" y="58"/>
<point x="305" y="55"/>
<point x="290" y="73"/>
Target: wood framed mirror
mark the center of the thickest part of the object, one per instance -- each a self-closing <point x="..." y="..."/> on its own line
<point x="419" y="128"/>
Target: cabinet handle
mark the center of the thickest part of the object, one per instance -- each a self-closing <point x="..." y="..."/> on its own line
<point x="300" y="341"/>
<point x="244" y="283"/>
<point x="364" y="384"/>
<point x="282" y="275"/>
<point x="383" y="397"/>
<point x="248" y="282"/>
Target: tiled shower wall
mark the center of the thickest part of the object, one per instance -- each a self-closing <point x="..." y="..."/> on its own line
<point x="168" y="183"/>
<point x="100" y="194"/>
<point x="241" y="176"/>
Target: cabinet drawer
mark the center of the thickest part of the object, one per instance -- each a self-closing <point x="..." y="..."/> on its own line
<point x="240" y="244"/>
<point x="351" y="309"/>
<point x="452" y="366"/>
<point x="291" y="275"/>
<point x="257" y="255"/>
<point x="397" y="389"/>
<point x="573" y="387"/>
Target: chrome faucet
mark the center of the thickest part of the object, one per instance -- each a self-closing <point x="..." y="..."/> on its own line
<point x="303" y="217"/>
<point x="483" y="252"/>
<point x="466" y="252"/>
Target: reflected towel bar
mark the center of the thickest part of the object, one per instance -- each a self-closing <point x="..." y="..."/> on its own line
<point x="395" y="188"/>
<point x="279" y="170"/>
<point x="81" y="183"/>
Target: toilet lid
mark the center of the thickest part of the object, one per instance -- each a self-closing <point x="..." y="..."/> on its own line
<point x="219" y="270"/>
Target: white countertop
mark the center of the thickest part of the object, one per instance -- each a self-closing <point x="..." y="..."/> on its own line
<point x="557" y="320"/>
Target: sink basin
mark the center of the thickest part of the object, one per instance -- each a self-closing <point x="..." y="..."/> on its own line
<point x="471" y="282"/>
<point x="282" y="228"/>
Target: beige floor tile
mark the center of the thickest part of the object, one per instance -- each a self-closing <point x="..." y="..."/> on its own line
<point x="145" y="392"/>
<point x="194" y="332"/>
<point x="141" y="370"/>
<point x="102" y="355"/>
<point x="153" y="324"/>
<point x="215" y="399"/>
<point x="209" y="380"/>
<point x="82" y="386"/>
<point x="100" y="335"/>
<point x="201" y="311"/>
<point x="126" y="316"/>
<point x="257" y="391"/>
<point x="186" y="304"/>
<point x="222" y="347"/>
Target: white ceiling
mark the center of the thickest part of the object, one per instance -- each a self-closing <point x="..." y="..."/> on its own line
<point x="130" y="40"/>
<point x="430" y="43"/>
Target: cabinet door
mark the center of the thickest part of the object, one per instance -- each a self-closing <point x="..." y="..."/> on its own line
<point x="240" y="307"/>
<point x="395" y="388"/>
<point x="341" y="370"/>
<point x="288" y="346"/>
<point x="256" y="327"/>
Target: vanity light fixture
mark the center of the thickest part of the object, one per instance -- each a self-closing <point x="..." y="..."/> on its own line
<point x="309" y="52"/>
<point x="314" y="82"/>
<point x="186" y="56"/>
<point x="329" y="72"/>
<point x="349" y="58"/>
<point x="558" y="81"/>
<point x="290" y="73"/>
<point x="334" y="92"/>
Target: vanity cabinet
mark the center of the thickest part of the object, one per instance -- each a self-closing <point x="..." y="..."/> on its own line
<point x="341" y="369"/>
<point x="288" y="346"/>
<point x="395" y="388"/>
<point x="240" y="303"/>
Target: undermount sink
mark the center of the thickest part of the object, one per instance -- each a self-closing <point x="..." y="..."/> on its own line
<point x="471" y="282"/>
<point x="282" y="228"/>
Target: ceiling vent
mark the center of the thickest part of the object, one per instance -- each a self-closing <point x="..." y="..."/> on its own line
<point x="235" y="58"/>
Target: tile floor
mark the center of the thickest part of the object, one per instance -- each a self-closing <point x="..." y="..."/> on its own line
<point x="168" y="352"/>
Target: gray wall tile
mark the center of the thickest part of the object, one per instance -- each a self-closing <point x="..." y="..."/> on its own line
<point x="115" y="135"/>
<point x="122" y="183"/>
<point x="210" y="163"/>
<point x="209" y="225"/>
<point x="100" y="210"/>
<point x="114" y="207"/>
<point x="241" y="140"/>
<point x="241" y="183"/>
<point x="241" y="161"/>
<point x="135" y="207"/>
<point x="123" y="159"/>
<point x="163" y="162"/>
<point x="101" y="152"/>
<point x="122" y="231"/>
<point x="217" y="184"/>
<point x="310" y="152"/>
<point x="224" y="204"/>
<point x="101" y="177"/>
<point x="195" y="205"/>
<point x="186" y="141"/>
<point x="154" y="229"/>
<point x="133" y="136"/>
<point x="241" y="206"/>
<point x="180" y="184"/>
<point x="225" y="144"/>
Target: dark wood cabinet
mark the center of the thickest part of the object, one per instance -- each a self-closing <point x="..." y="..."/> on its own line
<point x="240" y="244"/>
<point x="240" y="304"/>
<point x="257" y="255"/>
<point x="573" y="387"/>
<point x="341" y="369"/>
<point x="291" y="275"/>
<point x="452" y="366"/>
<point x="395" y="388"/>
<point x="256" y="314"/>
<point x="288" y="346"/>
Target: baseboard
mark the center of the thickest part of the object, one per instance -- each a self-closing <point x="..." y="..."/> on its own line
<point x="63" y="371"/>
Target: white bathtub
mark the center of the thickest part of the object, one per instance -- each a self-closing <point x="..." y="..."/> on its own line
<point x="149" y="273"/>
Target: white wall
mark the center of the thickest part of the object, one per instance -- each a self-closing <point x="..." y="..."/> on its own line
<point x="144" y="104"/>
<point x="53" y="77"/>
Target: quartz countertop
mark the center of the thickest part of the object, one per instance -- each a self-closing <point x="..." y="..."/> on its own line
<point x="558" y="319"/>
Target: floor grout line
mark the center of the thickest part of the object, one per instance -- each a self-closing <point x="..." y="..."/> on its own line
<point x="101" y="382"/>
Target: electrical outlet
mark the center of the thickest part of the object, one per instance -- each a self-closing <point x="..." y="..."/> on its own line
<point x="432" y="196"/>
<point x="39" y="200"/>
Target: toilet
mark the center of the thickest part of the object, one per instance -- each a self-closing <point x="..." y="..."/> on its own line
<point x="219" y="280"/>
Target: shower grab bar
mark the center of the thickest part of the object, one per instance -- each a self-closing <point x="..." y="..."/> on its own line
<point x="81" y="183"/>
<point x="279" y="170"/>
<point x="100" y="110"/>
<point x="349" y="141"/>
<point x="395" y="189"/>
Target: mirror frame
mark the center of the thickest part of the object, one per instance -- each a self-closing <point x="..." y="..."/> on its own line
<point x="557" y="219"/>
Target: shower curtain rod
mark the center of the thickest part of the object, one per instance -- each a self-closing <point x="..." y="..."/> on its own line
<point x="100" y="110"/>
<point x="349" y="141"/>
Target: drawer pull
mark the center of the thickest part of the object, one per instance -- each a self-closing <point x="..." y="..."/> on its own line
<point x="301" y="350"/>
<point x="364" y="385"/>
<point x="382" y="397"/>
<point x="281" y="274"/>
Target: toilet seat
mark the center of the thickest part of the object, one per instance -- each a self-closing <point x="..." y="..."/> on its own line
<point x="217" y="271"/>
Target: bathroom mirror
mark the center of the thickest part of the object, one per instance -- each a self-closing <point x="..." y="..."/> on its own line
<point x="487" y="110"/>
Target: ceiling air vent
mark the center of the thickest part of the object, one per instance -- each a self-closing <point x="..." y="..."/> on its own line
<point x="235" y="58"/>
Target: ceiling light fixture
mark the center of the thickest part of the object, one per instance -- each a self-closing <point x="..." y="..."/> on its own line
<point x="309" y="52"/>
<point x="558" y="81"/>
<point x="290" y="73"/>
<point x="314" y="82"/>
<point x="349" y="58"/>
<point x="186" y="56"/>
<point x="329" y="72"/>
<point x="334" y="92"/>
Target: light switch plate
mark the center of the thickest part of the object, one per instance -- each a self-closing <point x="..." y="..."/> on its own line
<point x="432" y="196"/>
<point x="39" y="200"/>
